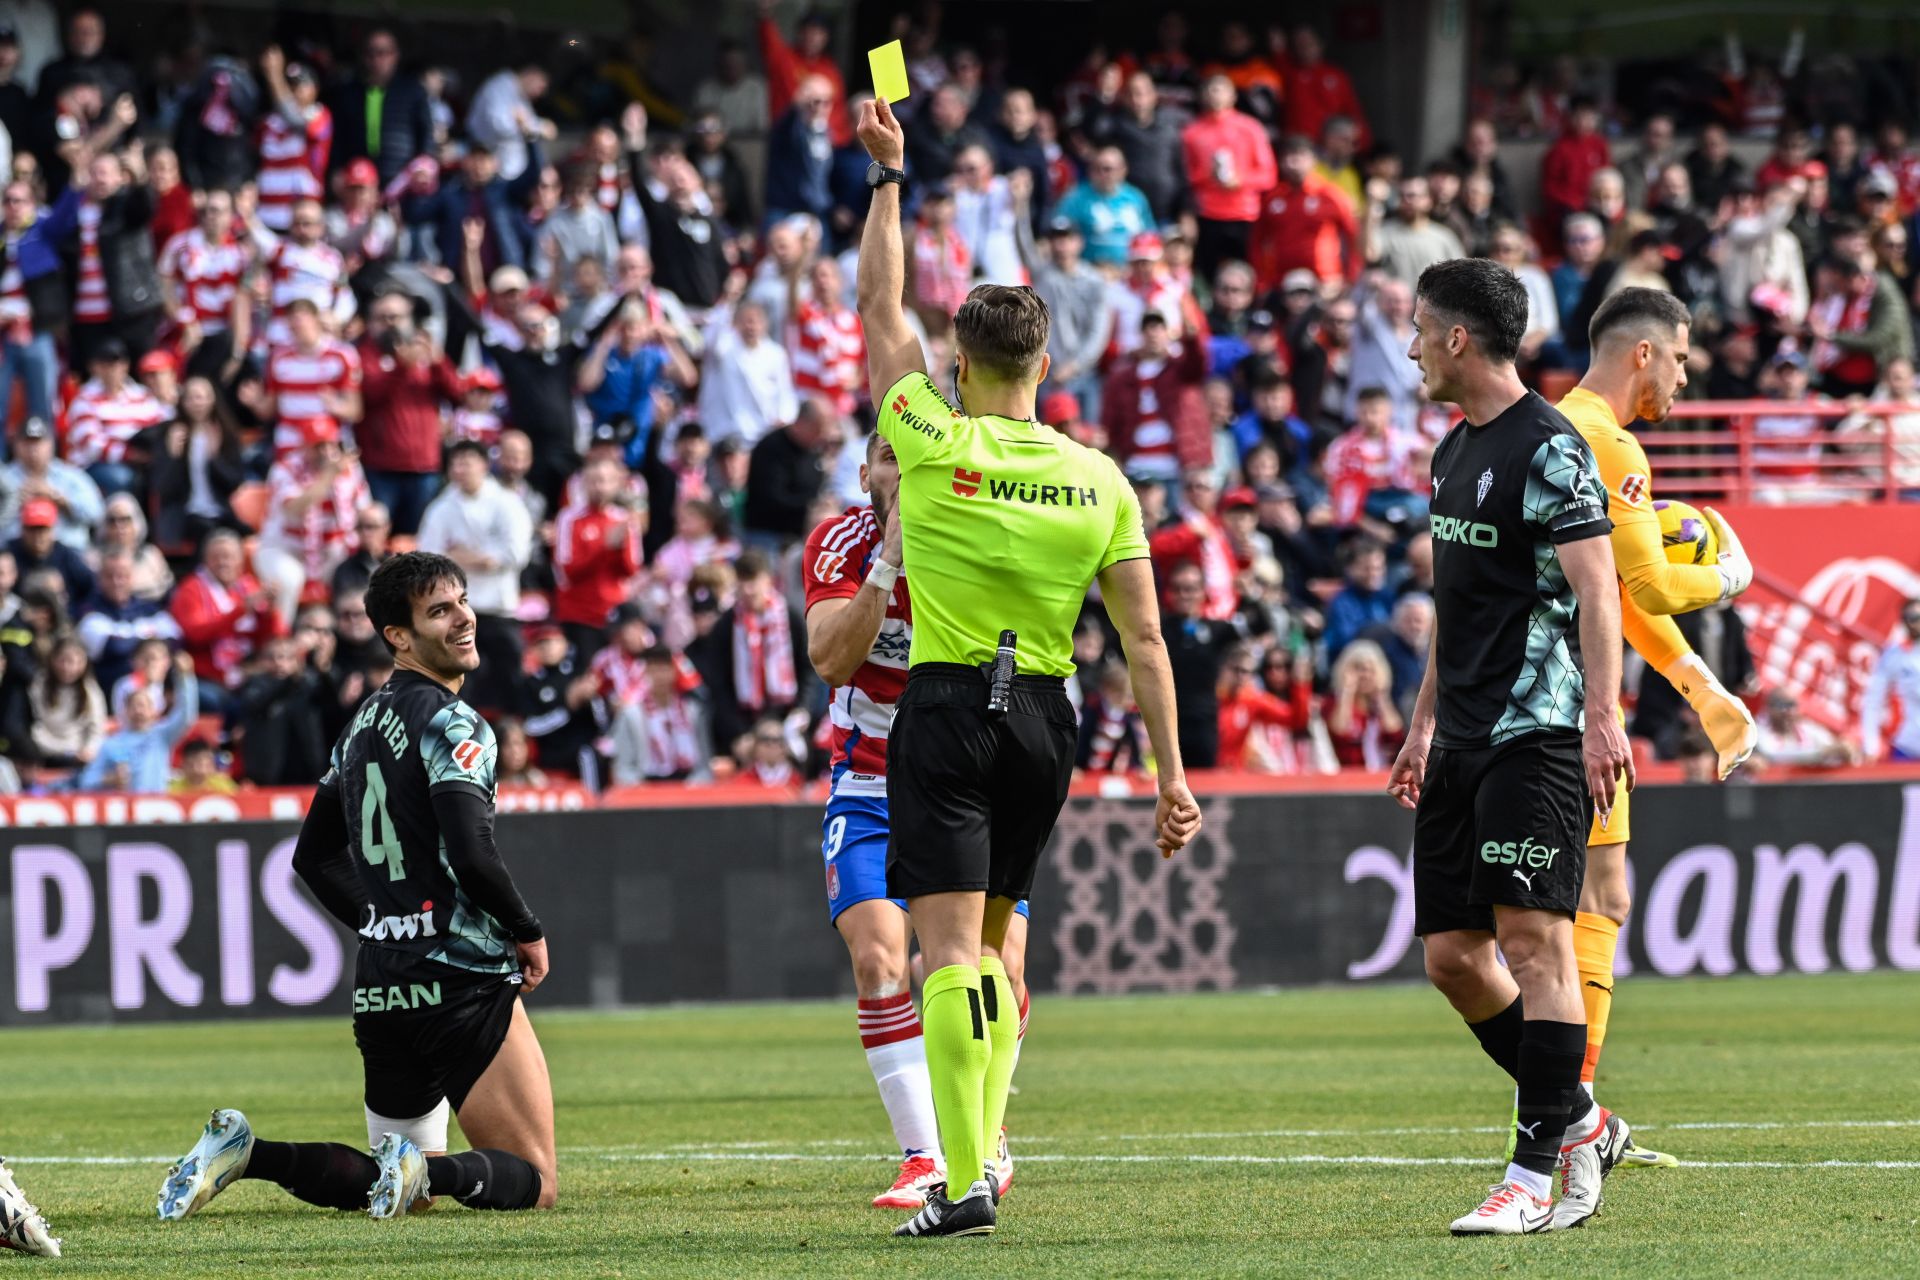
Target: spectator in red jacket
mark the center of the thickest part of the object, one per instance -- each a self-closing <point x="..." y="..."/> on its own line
<point x="1245" y="705"/>
<point x="406" y="383"/>
<point x="225" y="615"/>
<point x="1567" y="171"/>
<point x="789" y="64"/>
<point x="1155" y="416"/>
<point x="1229" y="166"/>
<point x="1198" y="538"/>
<point x="1316" y="91"/>
<point x="596" y="553"/>
<point x="1306" y="223"/>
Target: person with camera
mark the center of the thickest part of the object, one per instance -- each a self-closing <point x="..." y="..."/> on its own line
<point x="406" y="383"/>
<point x="626" y="372"/>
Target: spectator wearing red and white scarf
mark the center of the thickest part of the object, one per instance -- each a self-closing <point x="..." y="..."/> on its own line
<point x="697" y="541"/>
<point x="662" y="734"/>
<point x="105" y="417"/>
<point x="313" y="496"/>
<point x="1365" y="726"/>
<point x="225" y="616"/>
<point x="296" y="139"/>
<point x="313" y="382"/>
<point x="942" y="263"/>
<point x="621" y="667"/>
<point x="1371" y="455"/>
<point x="828" y="346"/>
<point x="752" y="658"/>
<point x="596" y="553"/>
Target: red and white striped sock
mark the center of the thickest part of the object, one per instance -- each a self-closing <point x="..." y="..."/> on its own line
<point x="897" y="1056"/>
<point x="1020" y="1036"/>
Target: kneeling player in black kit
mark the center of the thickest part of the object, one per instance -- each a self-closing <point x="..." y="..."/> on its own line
<point x="398" y="846"/>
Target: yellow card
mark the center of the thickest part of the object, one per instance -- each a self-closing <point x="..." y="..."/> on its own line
<point x="889" y="72"/>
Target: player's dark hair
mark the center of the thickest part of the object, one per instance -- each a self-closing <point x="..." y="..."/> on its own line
<point x="473" y="447"/>
<point x="1003" y="329"/>
<point x="399" y="581"/>
<point x="1481" y="296"/>
<point x="1636" y="307"/>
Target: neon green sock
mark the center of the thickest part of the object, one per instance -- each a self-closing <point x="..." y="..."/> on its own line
<point x="957" y="1056"/>
<point x="1003" y="1032"/>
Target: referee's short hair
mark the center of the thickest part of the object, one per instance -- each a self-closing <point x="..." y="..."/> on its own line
<point x="1003" y="329"/>
<point x="1484" y="298"/>
<point x="1637" y="308"/>
<point x="399" y="581"/>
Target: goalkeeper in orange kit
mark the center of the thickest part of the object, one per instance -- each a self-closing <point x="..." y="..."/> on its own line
<point x="1639" y="339"/>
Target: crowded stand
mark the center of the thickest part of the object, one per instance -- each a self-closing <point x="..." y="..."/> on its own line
<point x="318" y="305"/>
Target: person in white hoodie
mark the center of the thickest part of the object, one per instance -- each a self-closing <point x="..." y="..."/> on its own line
<point x="487" y="532"/>
<point x="746" y="388"/>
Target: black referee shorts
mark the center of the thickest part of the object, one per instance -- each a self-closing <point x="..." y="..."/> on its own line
<point x="1504" y="825"/>
<point x="973" y="796"/>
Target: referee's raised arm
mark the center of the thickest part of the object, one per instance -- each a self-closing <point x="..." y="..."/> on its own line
<point x="893" y="351"/>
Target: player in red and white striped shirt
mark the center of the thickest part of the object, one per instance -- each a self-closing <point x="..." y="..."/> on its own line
<point x="310" y="380"/>
<point x="859" y="631"/>
<point x="201" y="270"/>
<point x="295" y="140"/>
<point x="303" y="266"/>
<point x="827" y="346"/>
<point x="109" y="411"/>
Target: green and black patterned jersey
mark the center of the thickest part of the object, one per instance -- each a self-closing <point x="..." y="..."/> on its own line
<point x="1506" y="495"/>
<point x="412" y="740"/>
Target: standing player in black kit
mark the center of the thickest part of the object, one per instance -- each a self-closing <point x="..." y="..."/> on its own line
<point x="398" y="846"/>
<point x="1498" y="763"/>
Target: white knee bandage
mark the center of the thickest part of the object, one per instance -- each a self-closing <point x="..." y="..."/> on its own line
<point x="427" y="1132"/>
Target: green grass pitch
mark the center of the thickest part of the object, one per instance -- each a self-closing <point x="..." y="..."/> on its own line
<point x="1313" y="1133"/>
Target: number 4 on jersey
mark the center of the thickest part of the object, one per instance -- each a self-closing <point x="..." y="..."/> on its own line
<point x="373" y="822"/>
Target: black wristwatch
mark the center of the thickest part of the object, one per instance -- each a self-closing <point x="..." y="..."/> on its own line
<point x="878" y="173"/>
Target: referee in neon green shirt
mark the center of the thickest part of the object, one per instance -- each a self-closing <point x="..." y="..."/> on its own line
<point x="1006" y="523"/>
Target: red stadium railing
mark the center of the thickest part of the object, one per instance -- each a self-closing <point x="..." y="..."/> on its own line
<point x="1711" y="450"/>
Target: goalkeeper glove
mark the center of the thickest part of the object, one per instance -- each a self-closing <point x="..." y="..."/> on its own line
<point x="1725" y="718"/>
<point x="1736" y="571"/>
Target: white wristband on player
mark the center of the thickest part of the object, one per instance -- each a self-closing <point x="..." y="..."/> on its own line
<point x="1736" y="571"/>
<point x="882" y="575"/>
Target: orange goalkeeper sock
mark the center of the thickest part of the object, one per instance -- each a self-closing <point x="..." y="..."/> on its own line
<point x="1594" y="940"/>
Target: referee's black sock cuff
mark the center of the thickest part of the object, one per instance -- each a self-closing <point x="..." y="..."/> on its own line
<point x="485" y="1179"/>
<point x="1500" y="1037"/>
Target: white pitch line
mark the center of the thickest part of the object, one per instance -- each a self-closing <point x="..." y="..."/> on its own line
<point x="761" y="1150"/>
<point x="668" y="1157"/>
<point x="1463" y="1131"/>
<point x="1049" y="1157"/>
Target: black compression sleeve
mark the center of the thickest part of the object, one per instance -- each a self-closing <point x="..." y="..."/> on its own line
<point x="466" y="824"/>
<point x="324" y="862"/>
